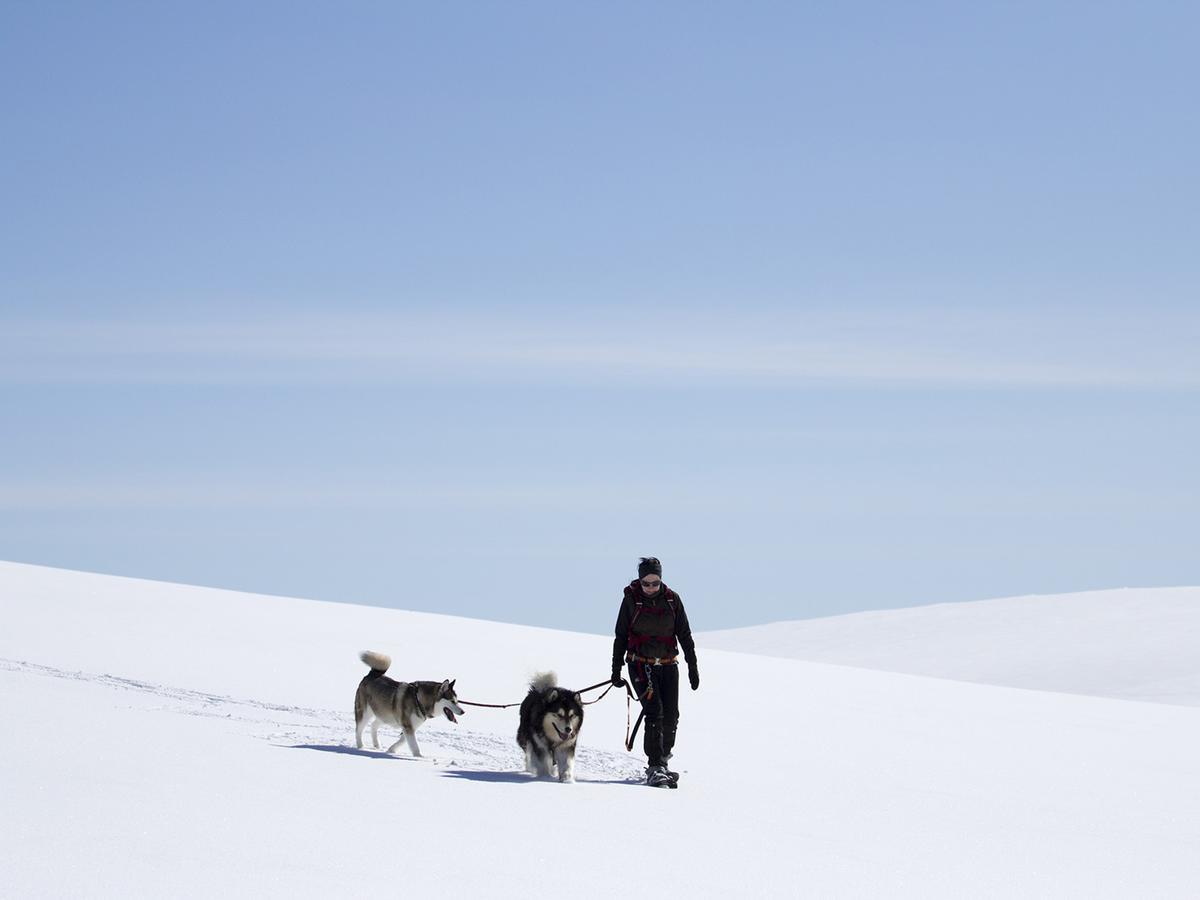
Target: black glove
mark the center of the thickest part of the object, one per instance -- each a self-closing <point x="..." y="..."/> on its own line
<point x="694" y="676"/>
<point x="617" y="680"/>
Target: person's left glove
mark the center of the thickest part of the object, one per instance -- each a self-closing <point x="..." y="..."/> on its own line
<point x="694" y="676"/>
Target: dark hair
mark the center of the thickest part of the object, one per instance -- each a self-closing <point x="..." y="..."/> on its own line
<point x="649" y="565"/>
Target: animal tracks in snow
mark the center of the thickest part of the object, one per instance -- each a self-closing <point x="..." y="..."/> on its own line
<point x="457" y="749"/>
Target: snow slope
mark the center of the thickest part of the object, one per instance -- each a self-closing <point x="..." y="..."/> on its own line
<point x="1131" y="644"/>
<point x="169" y="740"/>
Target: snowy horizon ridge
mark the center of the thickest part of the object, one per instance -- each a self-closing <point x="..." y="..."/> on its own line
<point x="1123" y="643"/>
<point x="199" y="741"/>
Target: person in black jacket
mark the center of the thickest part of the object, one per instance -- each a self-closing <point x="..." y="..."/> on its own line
<point x="651" y="620"/>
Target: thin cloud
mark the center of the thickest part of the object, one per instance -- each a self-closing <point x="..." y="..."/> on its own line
<point x="195" y="494"/>
<point x="865" y="498"/>
<point x="797" y="351"/>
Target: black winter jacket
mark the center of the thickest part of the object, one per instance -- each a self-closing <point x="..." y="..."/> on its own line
<point x="653" y="629"/>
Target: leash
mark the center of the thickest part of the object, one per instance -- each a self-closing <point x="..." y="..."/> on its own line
<point x="630" y="738"/>
<point x="628" y="701"/>
<point x="598" y="684"/>
<point x="489" y="705"/>
<point x="593" y="687"/>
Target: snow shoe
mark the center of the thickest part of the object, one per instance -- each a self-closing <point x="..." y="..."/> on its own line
<point x="657" y="776"/>
<point x="674" y="776"/>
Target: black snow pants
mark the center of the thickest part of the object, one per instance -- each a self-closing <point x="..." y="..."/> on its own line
<point x="661" y="705"/>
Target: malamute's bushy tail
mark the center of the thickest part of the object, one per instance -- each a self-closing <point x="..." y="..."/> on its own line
<point x="543" y="681"/>
<point x="377" y="662"/>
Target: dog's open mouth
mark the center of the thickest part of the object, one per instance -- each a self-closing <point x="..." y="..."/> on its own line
<point x="449" y="714"/>
<point x="562" y="735"/>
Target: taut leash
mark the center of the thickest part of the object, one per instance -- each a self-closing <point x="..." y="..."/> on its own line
<point x="489" y="705"/>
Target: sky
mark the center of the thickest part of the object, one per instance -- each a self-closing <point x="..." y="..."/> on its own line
<point x="831" y="307"/>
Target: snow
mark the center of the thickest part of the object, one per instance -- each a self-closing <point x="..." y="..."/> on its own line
<point x="163" y="739"/>
<point x="1130" y="644"/>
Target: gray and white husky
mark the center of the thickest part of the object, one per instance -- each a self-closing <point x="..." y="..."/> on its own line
<point x="404" y="704"/>
<point x="551" y="717"/>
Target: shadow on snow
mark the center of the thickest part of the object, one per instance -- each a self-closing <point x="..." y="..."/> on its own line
<point x="506" y="777"/>
<point x="348" y="751"/>
<point x="525" y="778"/>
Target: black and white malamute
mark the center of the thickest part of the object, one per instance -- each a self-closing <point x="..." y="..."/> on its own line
<point x="403" y="704"/>
<point x="551" y="717"/>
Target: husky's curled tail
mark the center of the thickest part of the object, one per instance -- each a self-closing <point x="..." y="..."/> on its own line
<point x="543" y="681"/>
<point x="377" y="662"/>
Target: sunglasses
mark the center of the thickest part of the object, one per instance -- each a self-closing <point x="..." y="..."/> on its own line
<point x="651" y="584"/>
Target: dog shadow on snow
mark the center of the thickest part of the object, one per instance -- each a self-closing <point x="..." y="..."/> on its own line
<point x="349" y="751"/>
<point x="525" y="778"/>
<point x="509" y="777"/>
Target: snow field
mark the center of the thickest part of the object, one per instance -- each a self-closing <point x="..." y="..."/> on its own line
<point x="163" y="738"/>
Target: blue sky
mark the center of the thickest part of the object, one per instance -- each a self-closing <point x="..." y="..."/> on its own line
<point x="465" y="308"/>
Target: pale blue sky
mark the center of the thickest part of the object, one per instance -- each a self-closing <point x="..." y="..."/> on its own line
<point x="465" y="307"/>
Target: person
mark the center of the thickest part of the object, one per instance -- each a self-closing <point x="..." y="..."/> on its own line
<point x="651" y="620"/>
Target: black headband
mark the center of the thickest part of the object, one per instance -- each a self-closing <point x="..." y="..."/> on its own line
<point x="649" y="566"/>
